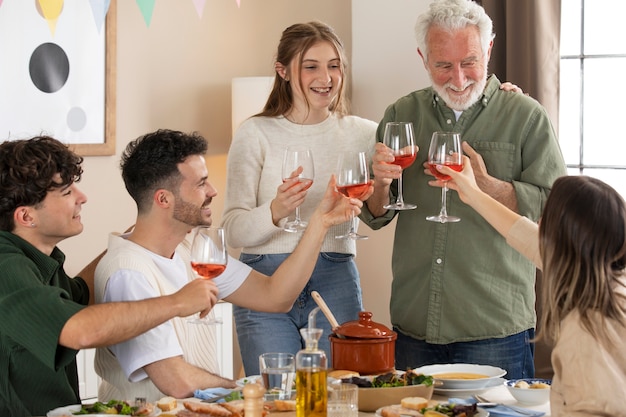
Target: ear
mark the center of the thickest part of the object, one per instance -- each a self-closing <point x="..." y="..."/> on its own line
<point x="489" y="50"/>
<point x="281" y="70"/>
<point x="23" y="216"/>
<point x="163" y="198"/>
<point x="422" y="55"/>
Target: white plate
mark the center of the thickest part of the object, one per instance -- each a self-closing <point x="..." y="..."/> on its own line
<point x="249" y="380"/>
<point x="481" y="412"/>
<point x="69" y="410"/>
<point x="463" y="392"/>
<point x="491" y="373"/>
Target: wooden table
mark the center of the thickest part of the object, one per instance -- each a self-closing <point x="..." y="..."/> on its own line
<point x="497" y="394"/>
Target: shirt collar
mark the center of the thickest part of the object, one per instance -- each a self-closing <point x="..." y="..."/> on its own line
<point x="47" y="265"/>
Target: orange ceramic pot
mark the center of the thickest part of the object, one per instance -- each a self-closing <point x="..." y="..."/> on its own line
<point x="363" y="346"/>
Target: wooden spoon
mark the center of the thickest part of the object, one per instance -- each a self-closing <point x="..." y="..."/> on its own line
<point x="329" y="315"/>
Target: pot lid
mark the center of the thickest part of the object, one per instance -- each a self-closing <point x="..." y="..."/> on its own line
<point x="364" y="328"/>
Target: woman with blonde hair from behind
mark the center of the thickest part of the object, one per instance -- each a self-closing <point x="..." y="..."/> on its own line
<point x="580" y="244"/>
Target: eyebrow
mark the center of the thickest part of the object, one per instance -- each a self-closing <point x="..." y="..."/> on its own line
<point x="472" y="58"/>
<point x="315" y="60"/>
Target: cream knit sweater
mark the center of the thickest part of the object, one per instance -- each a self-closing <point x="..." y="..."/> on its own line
<point x="254" y="174"/>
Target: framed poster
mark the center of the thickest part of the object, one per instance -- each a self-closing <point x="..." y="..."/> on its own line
<point x="57" y="76"/>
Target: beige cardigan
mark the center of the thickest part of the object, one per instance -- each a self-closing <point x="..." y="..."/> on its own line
<point x="589" y="374"/>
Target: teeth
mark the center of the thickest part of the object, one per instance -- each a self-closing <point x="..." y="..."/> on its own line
<point x="321" y="90"/>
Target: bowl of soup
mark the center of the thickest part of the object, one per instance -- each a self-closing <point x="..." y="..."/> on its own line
<point x="463" y="375"/>
<point x="530" y="391"/>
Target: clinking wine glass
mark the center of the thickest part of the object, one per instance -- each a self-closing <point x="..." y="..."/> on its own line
<point x="400" y="139"/>
<point x="352" y="181"/>
<point x="208" y="259"/>
<point x="445" y="149"/>
<point x="293" y="159"/>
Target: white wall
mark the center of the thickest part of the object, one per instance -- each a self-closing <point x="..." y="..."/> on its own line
<point x="385" y="66"/>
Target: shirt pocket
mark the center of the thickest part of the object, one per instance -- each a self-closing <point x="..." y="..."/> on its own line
<point x="499" y="158"/>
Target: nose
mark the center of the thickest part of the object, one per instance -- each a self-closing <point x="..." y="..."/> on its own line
<point x="458" y="78"/>
<point x="81" y="198"/>
<point x="210" y="190"/>
<point x="325" y="76"/>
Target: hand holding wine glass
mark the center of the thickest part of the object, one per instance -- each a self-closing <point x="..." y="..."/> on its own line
<point x="293" y="159"/>
<point x="400" y="139"/>
<point x="208" y="258"/>
<point x="353" y="181"/>
<point x="445" y="149"/>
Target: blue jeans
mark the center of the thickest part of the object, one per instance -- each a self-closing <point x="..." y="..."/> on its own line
<point x="335" y="277"/>
<point x="513" y="353"/>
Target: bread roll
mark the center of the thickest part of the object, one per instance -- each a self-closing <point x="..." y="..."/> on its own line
<point x="414" y="403"/>
<point x="207" y="408"/>
<point x="285" y="405"/>
<point x="167" y="403"/>
<point x="342" y="373"/>
<point x="397" y="411"/>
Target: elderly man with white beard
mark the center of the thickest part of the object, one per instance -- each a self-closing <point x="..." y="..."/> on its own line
<point x="460" y="294"/>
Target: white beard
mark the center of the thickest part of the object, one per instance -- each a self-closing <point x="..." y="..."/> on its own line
<point x="473" y="92"/>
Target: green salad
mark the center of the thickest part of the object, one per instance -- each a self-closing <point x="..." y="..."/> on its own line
<point x="111" y="407"/>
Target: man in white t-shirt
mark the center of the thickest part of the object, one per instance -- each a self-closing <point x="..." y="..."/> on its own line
<point x="166" y="174"/>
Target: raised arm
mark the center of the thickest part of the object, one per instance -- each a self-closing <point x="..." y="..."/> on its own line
<point x="278" y="292"/>
<point x="520" y="233"/>
<point x="464" y="182"/>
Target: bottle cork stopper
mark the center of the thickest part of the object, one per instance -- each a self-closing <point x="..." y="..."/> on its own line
<point x="253" y="400"/>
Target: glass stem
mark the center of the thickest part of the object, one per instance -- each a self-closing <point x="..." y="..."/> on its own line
<point x="400" y="199"/>
<point x="297" y="215"/>
<point x="352" y="224"/>
<point x="444" y="210"/>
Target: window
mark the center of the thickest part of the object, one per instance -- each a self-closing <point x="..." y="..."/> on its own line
<point x="593" y="89"/>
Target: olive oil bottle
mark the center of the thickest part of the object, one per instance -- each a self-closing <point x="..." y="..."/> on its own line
<point x="311" y="373"/>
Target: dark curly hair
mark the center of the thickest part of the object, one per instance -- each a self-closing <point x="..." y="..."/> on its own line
<point x="151" y="162"/>
<point x="27" y="172"/>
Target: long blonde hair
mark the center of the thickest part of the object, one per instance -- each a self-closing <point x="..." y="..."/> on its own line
<point x="295" y="41"/>
<point x="582" y="239"/>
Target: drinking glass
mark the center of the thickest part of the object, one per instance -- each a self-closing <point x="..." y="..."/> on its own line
<point x="278" y="372"/>
<point x="293" y="159"/>
<point x="352" y="181"/>
<point x="208" y="259"/>
<point x="400" y="139"/>
<point x="343" y="400"/>
<point x="445" y="149"/>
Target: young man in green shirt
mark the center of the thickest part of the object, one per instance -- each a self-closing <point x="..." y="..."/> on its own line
<point x="46" y="316"/>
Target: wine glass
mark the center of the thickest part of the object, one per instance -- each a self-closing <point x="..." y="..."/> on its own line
<point x="352" y="181"/>
<point x="208" y="259"/>
<point x="293" y="159"/>
<point x="445" y="149"/>
<point x="400" y="139"/>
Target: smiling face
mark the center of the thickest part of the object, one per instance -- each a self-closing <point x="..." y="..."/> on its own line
<point x="57" y="217"/>
<point x="195" y="193"/>
<point x="317" y="83"/>
<point x="457" y="65"/>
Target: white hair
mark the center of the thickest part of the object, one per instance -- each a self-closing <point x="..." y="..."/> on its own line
<point x="453" y="15"/>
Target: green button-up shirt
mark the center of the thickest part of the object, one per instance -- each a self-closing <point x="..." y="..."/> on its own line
<point x="36" y="300"/>
<point x="461" y="281"/>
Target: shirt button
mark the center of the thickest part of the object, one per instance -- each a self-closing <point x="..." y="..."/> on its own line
<point x="439" y="261"/>
<point x="449" y="121"/>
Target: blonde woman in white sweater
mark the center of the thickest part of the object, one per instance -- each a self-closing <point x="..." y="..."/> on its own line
<point x="306" y="107"/>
